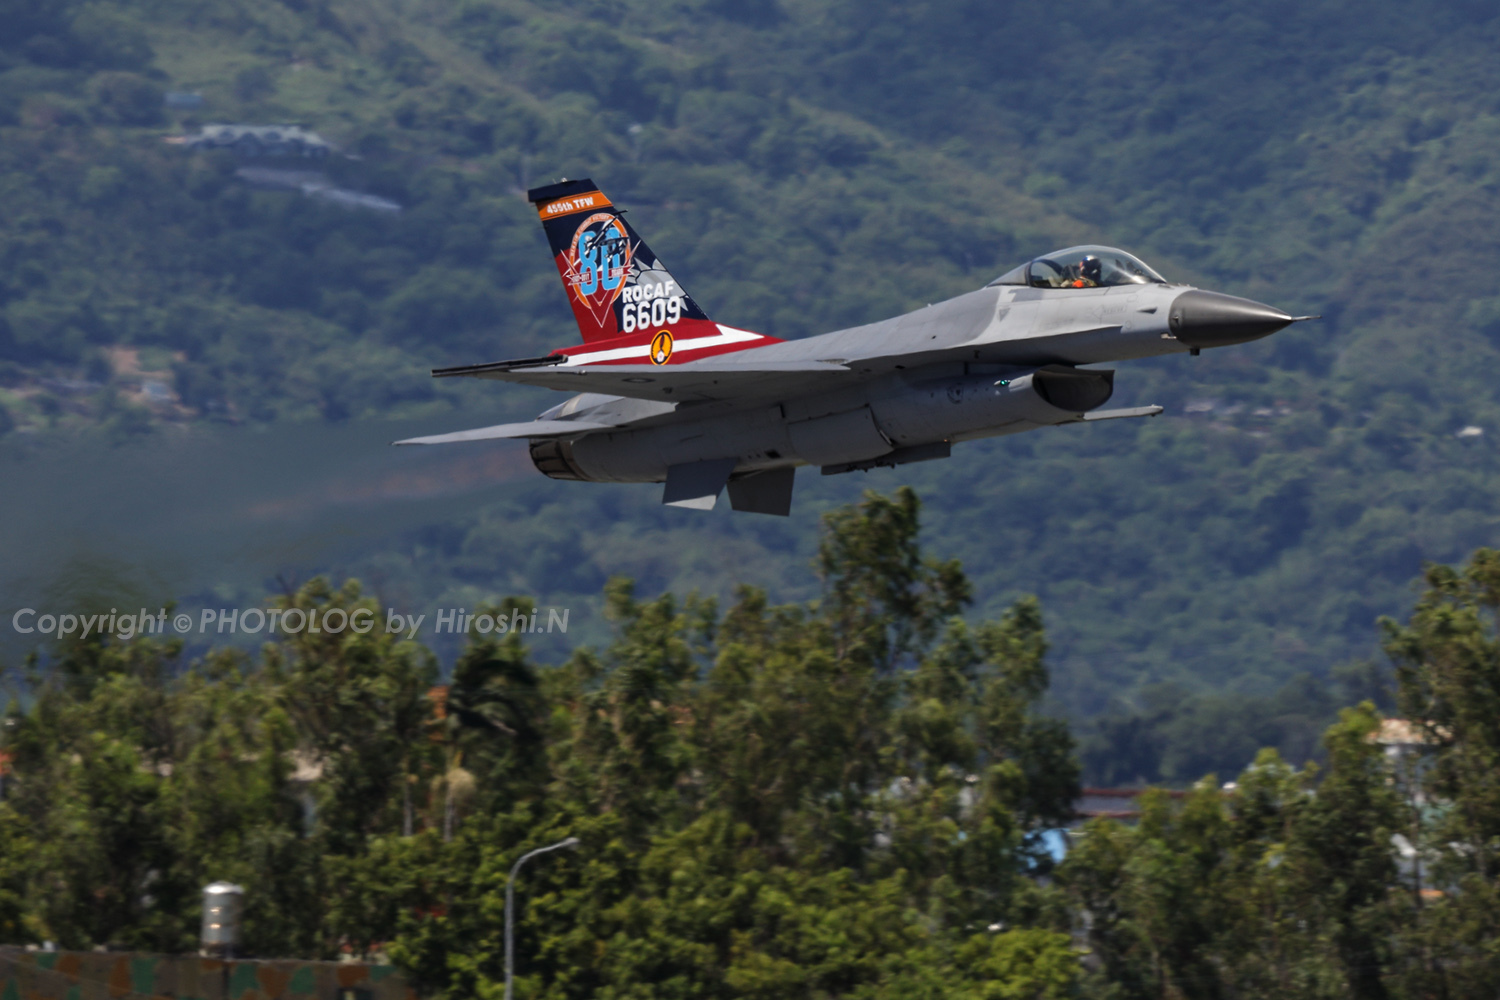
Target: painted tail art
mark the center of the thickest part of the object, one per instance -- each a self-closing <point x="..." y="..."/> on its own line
<point x="628" y="306"/>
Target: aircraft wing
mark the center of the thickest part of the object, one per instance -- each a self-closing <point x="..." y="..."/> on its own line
<point x="526" y="429"/>
<point x="710" y="379"/>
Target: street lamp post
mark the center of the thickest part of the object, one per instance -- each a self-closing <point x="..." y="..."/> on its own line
<point x="510" y="902"/>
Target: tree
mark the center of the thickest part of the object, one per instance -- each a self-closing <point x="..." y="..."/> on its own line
<point x="841" y="797"/>
<point x="883" y="598"/>
<point x="359" y="701"/>
<point x="1447" y="660"/>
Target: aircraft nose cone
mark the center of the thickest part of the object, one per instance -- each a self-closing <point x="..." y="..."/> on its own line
<point x="1209" y="319"/>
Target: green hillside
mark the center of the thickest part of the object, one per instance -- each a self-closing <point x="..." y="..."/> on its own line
<point x="805" y="166"/>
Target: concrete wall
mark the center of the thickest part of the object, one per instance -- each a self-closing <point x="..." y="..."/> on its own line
<point x="82" y="975"/>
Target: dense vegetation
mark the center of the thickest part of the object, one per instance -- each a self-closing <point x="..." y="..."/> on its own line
<point x="840" y="798"/>
<point x="793" y="800"/>
<point x="803" y="166"/>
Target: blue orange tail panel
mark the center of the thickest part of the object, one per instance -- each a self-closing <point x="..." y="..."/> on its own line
<point x="629" y="308"/>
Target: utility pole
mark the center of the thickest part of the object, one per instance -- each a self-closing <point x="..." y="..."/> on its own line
<point x="510" y="901"/>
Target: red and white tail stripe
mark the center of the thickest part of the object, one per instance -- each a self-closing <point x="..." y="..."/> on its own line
<point x="693" y="341"/>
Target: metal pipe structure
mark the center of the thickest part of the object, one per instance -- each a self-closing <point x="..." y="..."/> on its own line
<point x="510" y="901"/>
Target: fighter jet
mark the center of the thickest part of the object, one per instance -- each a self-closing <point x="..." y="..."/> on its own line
<point x="663" y="394"/>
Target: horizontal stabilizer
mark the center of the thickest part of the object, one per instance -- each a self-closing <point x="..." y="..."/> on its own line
<point x="551" y="359"/>
<point x="1123" y="413"/>
<point x="528" y="429"/>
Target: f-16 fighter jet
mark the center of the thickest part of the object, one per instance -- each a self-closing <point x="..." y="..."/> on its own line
<point x="663" y="394"/>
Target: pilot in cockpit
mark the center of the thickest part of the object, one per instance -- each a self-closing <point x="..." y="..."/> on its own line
<point x="1081" y="267"/>
<point x="1086" y="273"/>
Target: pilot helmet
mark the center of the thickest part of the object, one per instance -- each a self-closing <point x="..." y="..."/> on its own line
<point x="1091" y="269"/>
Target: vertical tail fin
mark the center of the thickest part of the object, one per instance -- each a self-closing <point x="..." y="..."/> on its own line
<point x="628" y="306"/>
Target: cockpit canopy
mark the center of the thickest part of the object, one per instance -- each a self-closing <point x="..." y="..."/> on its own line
<point x="1081" y="267"/>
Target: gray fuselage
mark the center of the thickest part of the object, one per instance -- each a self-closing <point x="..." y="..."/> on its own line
<point x="1000" y="360"/>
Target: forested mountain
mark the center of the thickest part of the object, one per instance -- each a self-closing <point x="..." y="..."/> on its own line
<point x="805" y="166"/>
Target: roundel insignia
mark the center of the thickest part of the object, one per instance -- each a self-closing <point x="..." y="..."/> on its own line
<point x="661" y="347"/>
